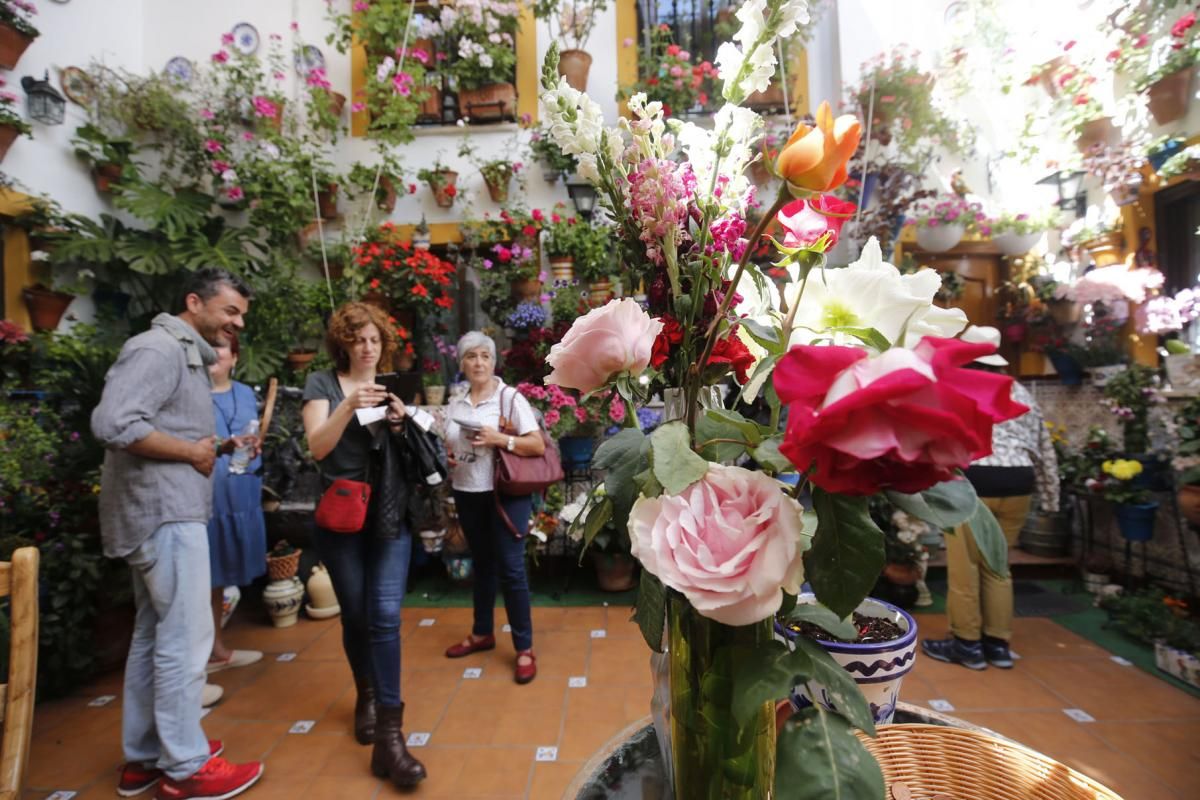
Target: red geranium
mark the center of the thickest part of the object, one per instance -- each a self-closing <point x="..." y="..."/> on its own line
<point x="1182" y="24"/>
<point x="903" y="420"/>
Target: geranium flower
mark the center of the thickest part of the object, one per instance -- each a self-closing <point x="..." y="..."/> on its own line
<point x="1182" y="24"/>
<point x="212" y="146"/>
<point x="220" y="57"/>
<point x="263" y="107"/>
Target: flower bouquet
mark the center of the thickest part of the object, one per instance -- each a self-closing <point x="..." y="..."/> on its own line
<point x="878" y="402"/>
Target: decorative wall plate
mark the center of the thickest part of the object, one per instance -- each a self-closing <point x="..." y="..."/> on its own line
<point x="180" y="69"/>
<point x="77" y="85"/>
<point x="245" y="38"/>
<point x="308" y="58"/>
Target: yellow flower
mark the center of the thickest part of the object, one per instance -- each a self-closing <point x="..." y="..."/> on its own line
<point x="1123" y="469"/>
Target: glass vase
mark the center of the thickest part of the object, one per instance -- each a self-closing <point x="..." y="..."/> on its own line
<point x="713" y="757"/>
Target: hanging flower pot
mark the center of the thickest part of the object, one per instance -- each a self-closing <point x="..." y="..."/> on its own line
<point x="336" y="101"/>
<point x="1169" y="96"/>
<point x="105" y="175"/>
<point x="13" y="44"/>
<point x="1160" y="156"/>
<point x="1016" y="244"/>
<point x="563" y="268"/>
<point x="46" y="306"/>
<point x="1069" y="370"/>
<point x="1136" y="522"/>
<point x="940" y="238"/>
<point x="574" y="65"/>
<point x="298" y="360"/>
<point x="527" y="290"/>
<point x="497" y="181"/>
<point x="1126" y="193"/>
<point x="385" y="196"/>
<point x="444" y="188"/>
<point x="491" y="103"/>
<point x="404" y="360"/>
<point x="327" y="201"/>
<point x="599" y="293"/>
<point x="1046" y="75"/>
<point x="1097" y="132"/>
<point x="614" y="571"/>
<point x="431" y="107"/>
<point x="8" y="135"/>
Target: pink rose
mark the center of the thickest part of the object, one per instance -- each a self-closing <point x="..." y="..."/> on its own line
<point x="903" y="420"/>
<point x="730" y="543"/>
<point x="617" y="337"/>
<point x="806" y="221"/>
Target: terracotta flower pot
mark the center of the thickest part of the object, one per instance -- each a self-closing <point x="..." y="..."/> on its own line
<point x="12" y="45"/>
<point x="444" y="188"/>
<point x="280" y="568"/>
<point x="1047" y="74"/>
<point x="431" y="106"/>
<point x="527" y="291"/>
<point x="497" y="187"/>
<point x="563" y="268"/>
<point x="385" y="197"/>
<point x="772" y="97"/>
<point x="614" y="571"/>
<point x="1097" y="131"/>
<point x="46" y="306"/>
<point x="490" y="103"/>
<point x="337" y="101"/>
<point x="574" y="65"/>
<point x="105" y="175"/>
<point x="403" y="361"/>
<point x="902" y="574"/>
<point x="1189" y="503"/>
<point x="1169" y="96"/>
<point x="327" y="202"/>
<point x="599" y="293"/>
<point x="8" y="135"/>
<point x="297" y="360"/>
<point x="1065" y="312"/>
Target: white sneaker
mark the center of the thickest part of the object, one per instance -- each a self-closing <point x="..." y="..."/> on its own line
<point x="211" y="694"/>
<point x="237" y="658"/>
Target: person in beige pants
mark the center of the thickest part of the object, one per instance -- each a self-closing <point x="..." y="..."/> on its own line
<point x="980" y="602"/>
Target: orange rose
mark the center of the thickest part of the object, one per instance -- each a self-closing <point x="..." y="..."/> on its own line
<point x="815" y="158"/>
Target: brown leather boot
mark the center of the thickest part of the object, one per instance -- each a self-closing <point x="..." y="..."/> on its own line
<point x="364" y="713"/>
<point x="391" y="758"/>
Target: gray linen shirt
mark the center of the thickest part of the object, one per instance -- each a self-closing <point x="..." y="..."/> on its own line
<point x="160" y="382"/>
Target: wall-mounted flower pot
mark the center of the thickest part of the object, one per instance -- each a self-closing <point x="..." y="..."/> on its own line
<point x="766" y="100"/>
<point x="8" y="135"/>
<point x="760" y="174"/>
<point x="1169" y="96"/>
<point x="12" y="46"/>
<point x="574" y="65"/>
<point x="1016" y="244"/>
<point x="1189" y="503"/>
<point x="599" y="293"/>
<point x="105" y="175"/>
<point x="431" y="107"/>
<point x="337" y="101"/>
<point x="46" y="306"/>
<point x="562" y="268"/>
<point x="1126" y="193"/>
<point x="1065" y="312"/>
<point x="385" y="197"/>
<point x="1160" y="156"/>
<point x="1183" y="371"/>
<point x="1046" y="76"/>
<point x="1102" y="375"/>
<point x="1097" y="132"/>
<point x="527" y="291"/>
<point x="444" y="187"/>
<point x="940" y="238"/>
<point x="577" y="451"/>
<point x="497" y="186"/>
<point x="1136" y="521"/>
<point x="491" y="103"/>
<point x="327" y="201"/>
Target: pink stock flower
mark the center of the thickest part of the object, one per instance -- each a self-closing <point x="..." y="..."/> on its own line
<point x="420" y="55"/>
<point x="362" y="5"/>
<point x="316" y="77"/>
<point x="616" y="411"/>
<point x="248" y="136"/>
<point x="295" y="26"/>
<point x="615" y="338"/>
<point x="731" y="543"/>
<point x="220" y="166"/>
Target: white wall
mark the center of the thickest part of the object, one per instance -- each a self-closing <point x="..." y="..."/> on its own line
<point x="72" y="34"/>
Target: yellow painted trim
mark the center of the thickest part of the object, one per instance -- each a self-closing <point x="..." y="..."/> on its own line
<point x="14" y="204"/>
<point x="439" y="232"/>
<point x="627" y="57"/>
<point x="528" y="68"/>
<point x="359" y="120"/>
<point x="798" y="97"/>
<point x="19" y="269"/>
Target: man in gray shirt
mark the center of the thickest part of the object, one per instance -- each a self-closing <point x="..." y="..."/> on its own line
<point x="156" y="420"/>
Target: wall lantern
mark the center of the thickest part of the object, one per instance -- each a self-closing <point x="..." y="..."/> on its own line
<point x="583" y="195"/>
<point x="46" y="105"/>
<point x="1069" y="184"/>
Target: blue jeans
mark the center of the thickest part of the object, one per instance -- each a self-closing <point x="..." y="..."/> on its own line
<point x="370" y="577"/>
<point x="172" y="640"/>
<point x="498" y="557"/>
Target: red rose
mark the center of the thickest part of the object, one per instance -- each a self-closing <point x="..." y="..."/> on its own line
<point x="529" y="231"/>
<point x="671" y="334"/>
<point x="733" y="351"/>
<point x="904" y="420"/>
<point x="1182" y="24"/>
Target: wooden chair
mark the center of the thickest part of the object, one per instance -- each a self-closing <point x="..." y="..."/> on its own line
<point x="19" y="581"/>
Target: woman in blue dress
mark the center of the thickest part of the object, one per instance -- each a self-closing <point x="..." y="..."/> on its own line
<point x="237" y="533"/>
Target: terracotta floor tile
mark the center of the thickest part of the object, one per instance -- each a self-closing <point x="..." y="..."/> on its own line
<point x="362" y="788"/>
<point x="277" y="785"/>
<point x="326" y="647"/>
<point x="290" y="691"/>
<point x="595" y="715"/>
<point x="443" y="765"/>
<point x="303" y="756"/>
<point x="1166" y="749"/>
<point x="1101" y="687"/>
<point x="252" y="741"/>
<point x="535" y="726"/>
<point x="1036" y="637"/>
<point x="252" y="635"/>
<point x="550" y="779"/>
<point x="1000" y="689"/>
<point x="549" y="619"/>
<point x="620" y="662"/>
<point x="495" y="772"/>
<point x="1118" y="772"/>
<point x="587" y="618"/>
<point x="78" y="752"/>
<point x="345" y="758"/>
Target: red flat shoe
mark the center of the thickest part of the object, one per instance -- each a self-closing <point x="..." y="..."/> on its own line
<point x="524" y="674"/>
<point x="471" y="646"/>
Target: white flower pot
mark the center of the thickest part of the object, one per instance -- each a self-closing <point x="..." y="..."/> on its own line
<point x="878" y="669"/>
<point x="1016" y="244"/>
<point x="282" y="599"/>
<point x="940" y="238"/>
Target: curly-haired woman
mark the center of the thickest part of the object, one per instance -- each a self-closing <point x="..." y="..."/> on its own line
<point x="369" y="569"/>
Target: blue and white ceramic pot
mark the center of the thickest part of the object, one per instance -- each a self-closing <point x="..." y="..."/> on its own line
<point x="878" y="669"/>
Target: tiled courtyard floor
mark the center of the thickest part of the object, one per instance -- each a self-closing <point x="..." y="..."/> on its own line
<point x="484" y="732"/>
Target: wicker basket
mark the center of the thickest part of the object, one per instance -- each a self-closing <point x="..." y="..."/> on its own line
<point x="967" y="765"/>
<point x="283" y="567"/>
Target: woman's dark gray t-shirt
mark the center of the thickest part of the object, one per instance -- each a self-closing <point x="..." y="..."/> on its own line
<point x="348" y="459"/>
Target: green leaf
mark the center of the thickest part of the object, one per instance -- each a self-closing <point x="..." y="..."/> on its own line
<point x="844" y="693"/>
<point x="623" y="457"/>
<point x="945" y="505"/>
<point x="760" y="378"/>
<point x="768" y="337"/>
<point x="847" y="554"/>
<point x="597" y="518"/>
<point x="722" y="424"/>
<point x="764" y="676"/>
<point x="818" y="757"/>
<point x="824" y="619"/>
<point x="868" y="336"/>
<point x="989" y="538"/>
<point x="648" y="485"/>
<point x="651" y="610"/>
<point x="767" y="455"/>
<point x="675" y="465"/>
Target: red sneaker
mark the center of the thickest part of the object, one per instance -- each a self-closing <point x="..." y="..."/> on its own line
<point x="136" y="778"/>
<point x="216" y="780"/>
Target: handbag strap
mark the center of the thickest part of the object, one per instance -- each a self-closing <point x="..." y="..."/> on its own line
<point x="507" y="520"/>
<point x="506" y="420"/>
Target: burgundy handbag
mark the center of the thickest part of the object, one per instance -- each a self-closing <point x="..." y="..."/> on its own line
<point x="343" y="507"/>
<point x="520" y="475"/>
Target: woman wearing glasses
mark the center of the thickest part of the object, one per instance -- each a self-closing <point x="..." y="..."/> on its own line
<point x="498" y="553"/>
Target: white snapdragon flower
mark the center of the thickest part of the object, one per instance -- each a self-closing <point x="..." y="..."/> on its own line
<point x="727" y="148"/>
<point x="574" y="120"/>
<point x="747" y="63"/>
<point x="871" y="293"/>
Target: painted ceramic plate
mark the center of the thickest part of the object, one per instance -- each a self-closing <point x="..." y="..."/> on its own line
<point x="245" y="38"/>
<point x="309" y="58"/>
<point x="180" y="69"/>
<point x="78" y="86"/>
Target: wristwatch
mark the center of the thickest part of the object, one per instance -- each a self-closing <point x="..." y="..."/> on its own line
<point x="512" y="444"/>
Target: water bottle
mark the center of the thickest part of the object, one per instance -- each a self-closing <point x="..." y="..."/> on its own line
<point x="241" y="456"/>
